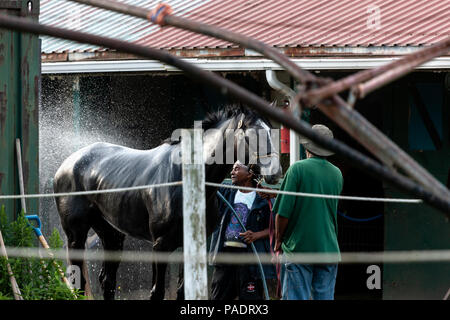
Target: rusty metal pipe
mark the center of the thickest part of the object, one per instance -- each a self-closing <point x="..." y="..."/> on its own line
<point x="381" y="75"/>
<point x="379" y="145"/>
<point x="400" y="68"/>
<point x="350" y="120"/>
<point x="358" y="159"/>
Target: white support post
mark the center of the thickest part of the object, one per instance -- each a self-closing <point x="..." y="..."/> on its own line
<point x="294" y="144"/>
<point x="294" y="147"/>
<point x="194" y="217"/>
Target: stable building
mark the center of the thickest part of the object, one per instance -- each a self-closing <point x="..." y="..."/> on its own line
<point x="91" y="93"/>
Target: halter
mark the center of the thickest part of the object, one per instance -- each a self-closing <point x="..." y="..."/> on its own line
<point x="257" y="156"/>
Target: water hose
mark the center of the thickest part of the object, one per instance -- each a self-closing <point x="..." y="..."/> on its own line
<point x="263" y="277"/>
<point x="274" y="254"/>
<point x="358" y="219"/>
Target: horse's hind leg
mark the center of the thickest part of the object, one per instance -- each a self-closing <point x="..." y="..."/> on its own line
<point x="112" y="240"/>
<point x="162" y="244"/>
<point x="75" y="222"/>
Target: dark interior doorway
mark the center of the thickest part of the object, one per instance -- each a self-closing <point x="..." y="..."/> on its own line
<point x="360" y="223"/>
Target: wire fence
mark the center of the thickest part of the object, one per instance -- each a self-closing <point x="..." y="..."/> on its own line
<point x="397" y="257"/>
<point x="90" y="192"/>
<point x="229" y="258"/>
<point x="211" y="184"/>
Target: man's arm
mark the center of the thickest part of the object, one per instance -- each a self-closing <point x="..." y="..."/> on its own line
<point x="280" y="227"/>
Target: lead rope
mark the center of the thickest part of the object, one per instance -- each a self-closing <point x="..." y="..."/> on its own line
<point x="274" y="254"/>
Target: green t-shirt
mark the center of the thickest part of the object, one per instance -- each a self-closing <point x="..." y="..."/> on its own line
<point x="312" y="225"/>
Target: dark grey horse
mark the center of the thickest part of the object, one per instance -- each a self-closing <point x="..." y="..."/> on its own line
<point x="153" y="214"/>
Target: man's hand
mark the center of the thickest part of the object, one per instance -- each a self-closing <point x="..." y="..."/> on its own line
<point x="280" y="226"/>
<point x="277" y="246"/>
<point x="278" y="252"/>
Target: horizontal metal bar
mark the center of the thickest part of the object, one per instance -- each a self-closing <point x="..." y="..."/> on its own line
<point x="393" y="256"/>
<point x="225" y="65"/>
<point x="393" y="70"/>
<point x="313" y="195"/>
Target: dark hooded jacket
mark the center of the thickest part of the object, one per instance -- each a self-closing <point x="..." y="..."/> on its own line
<point x="257" y="220"/>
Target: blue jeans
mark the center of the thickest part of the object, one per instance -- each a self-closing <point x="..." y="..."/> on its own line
<point x="305" y="281"/>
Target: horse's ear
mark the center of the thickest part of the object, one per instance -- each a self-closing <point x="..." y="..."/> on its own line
<point x="241" y="121"/>
<point x="171" y="141"/>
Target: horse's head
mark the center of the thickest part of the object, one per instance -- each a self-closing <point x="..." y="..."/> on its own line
<point x="248" y="138"/>
<point x="256" y="142"/>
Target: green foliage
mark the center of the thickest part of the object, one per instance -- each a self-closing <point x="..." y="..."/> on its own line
<point x="38" y="279"/>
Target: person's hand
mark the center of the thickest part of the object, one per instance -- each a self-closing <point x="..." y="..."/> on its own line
<point x="277" y="246"/>
<point x="249" y="236"/>
<point x="266" y="196"/>
<point x="277" y="250"/>
<point x="263" y="194"/>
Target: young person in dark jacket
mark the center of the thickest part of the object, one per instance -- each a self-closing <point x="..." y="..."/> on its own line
<point x="234" y="280"/>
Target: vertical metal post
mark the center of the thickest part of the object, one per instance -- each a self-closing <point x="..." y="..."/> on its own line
<point x="194" y="217"/>
<point x="294" y="147"/>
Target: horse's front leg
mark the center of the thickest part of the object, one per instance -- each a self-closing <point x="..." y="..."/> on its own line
<point x="159" y="277"/>
<point x="159" y="272"/>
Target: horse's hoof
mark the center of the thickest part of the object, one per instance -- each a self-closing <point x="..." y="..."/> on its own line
<point x="109" y="296"/>
<point x="156" y="296"/>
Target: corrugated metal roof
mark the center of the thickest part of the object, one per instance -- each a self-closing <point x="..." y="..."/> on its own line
<point x="280" y="23"/>
<point x="75" y="16"/>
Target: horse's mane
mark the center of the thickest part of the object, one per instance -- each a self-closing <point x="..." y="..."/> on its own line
<point x="227" y="112"/>
<point x="212" y="119"/>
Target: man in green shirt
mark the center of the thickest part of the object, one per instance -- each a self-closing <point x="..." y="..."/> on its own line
<point x="309" y="224"/>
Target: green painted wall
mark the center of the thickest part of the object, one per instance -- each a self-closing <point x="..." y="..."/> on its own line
<point x="19" y="99"/>
<point x="412" y="226"/>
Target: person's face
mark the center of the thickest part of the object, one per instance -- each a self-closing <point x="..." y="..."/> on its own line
<point x="240" y="175"/>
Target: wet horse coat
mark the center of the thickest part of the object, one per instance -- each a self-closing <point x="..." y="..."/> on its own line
<point x="153" y="214"/>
